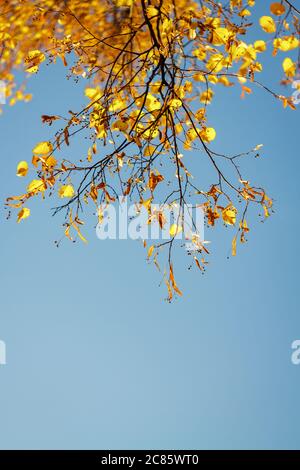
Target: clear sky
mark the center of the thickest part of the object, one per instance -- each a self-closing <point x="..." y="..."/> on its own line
<point x="97" y="359"/>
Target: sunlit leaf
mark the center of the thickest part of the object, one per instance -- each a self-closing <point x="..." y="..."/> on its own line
<point x="23" y="214"/>
<point x="268" y="24"/>
<point x="22" y="169"/>
<point x="66" y="191"/>
<point x="42" y="148"/>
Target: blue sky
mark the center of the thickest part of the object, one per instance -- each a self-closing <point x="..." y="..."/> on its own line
<point x="97" y="359"/>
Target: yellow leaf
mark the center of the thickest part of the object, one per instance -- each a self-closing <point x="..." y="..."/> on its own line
<point x="200" y="114"/>
<point x="23" y="214"/>
<point x="170" y="293"/>
<point x="150" y="251"/>
<point x="116" y="105"/>
<point x="175" y="230"/>
<point x="234" y="247"/>
<point x="260" y="46"/>
<point x="266" y="211"/>
<point x="80" y="235"/>
<point x="51" y="162"/>
<point x="74" y="224"/>
<point x="66" y="191"/>
<point x="67" y="233"/>
<point x="286" y="43"/>
<point x="147" y="203"/>
<point x="229" y="215"/>
<point x="120" y="125"/>
<point x="208" y="134"/>
<point x="192" y="134"/>
<point x="22" y="169"/>
<point x="206" y="96"/>
<point x="42" y="148"/>
<point x="224" y="81"/>
<point x="268" y="24"/>
<point x="245" y="12"/>
<point x="173" y="282"/>
<point x="34" y="59"/>
<point x="36" y="186"/>
<point x="152" y="11"/>
<point x="123" y="3"/>
<point x="153" y="103"/>
<point x="220" y="36"/>
<point x="244" y="226"/>
<point x="101" y="132"/>
<point x="149" y="150"/>
<point x="175" y="103"/>
<point x="289" y="67"/>
<point x="93" y="94"/>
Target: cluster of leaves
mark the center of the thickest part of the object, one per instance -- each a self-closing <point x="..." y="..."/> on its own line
<point x="152" y="68"/>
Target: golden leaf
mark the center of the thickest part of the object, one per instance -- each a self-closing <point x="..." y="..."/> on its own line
<point x="234" y="246"/>
<point x="173" y="282"/>
<point x="22" y="169"/>
<point x="66" y="191"/>
<point x="23" y="214"/>
<point x="175" y="230"/>
<point x="42" y="148"/>
<point x="34" y="59"/>
<point x="36" y="186"/>
<point x="208" y="134"/>
<point x="229" y="214"/>
<point x="268" y="24"/>
<point x="289" y="67"/>
<point x="150" y="251"/>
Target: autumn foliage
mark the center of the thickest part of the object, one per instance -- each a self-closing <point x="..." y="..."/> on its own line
<point x="151" y="70"/>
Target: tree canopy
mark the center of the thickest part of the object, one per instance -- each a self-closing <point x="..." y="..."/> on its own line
<point x="151" y="68"/>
